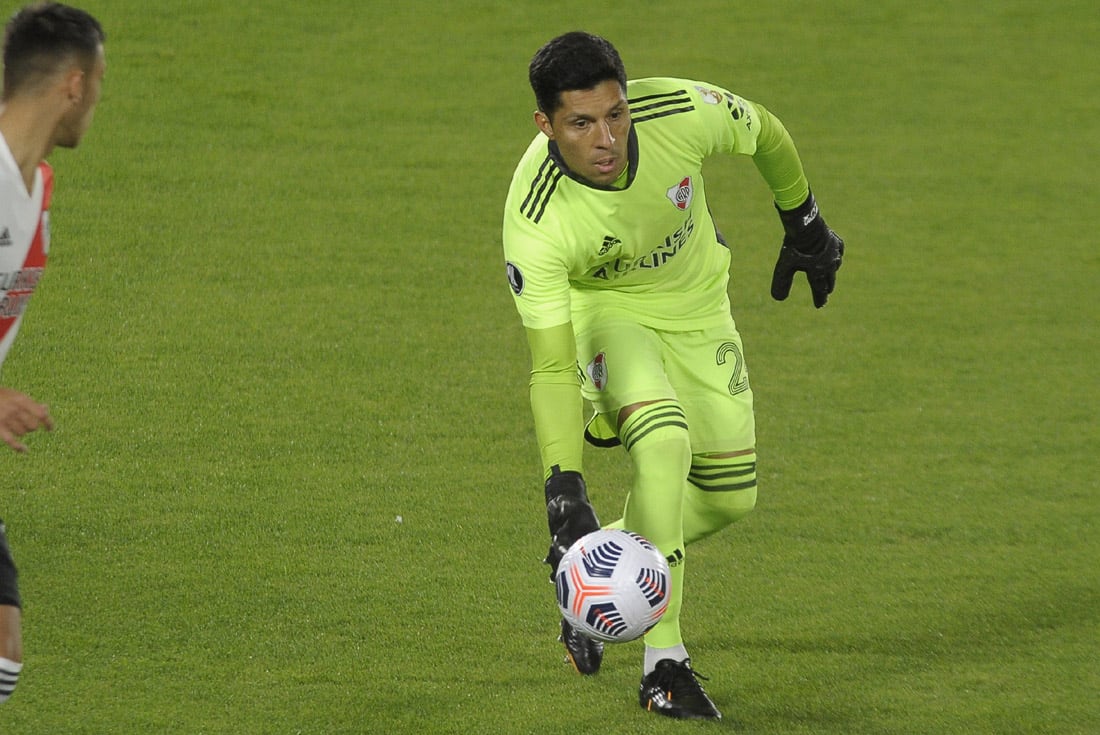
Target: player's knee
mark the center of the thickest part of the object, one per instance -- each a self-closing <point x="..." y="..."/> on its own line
<point x="738" y="504"/>
<point x="11" y="635"/>
<point x="653" y="421"/>
<point x="9" y="676"/>
<point x="725" y="485"/>
<point x="657" y="438"/>
<point x="727" y="507"/>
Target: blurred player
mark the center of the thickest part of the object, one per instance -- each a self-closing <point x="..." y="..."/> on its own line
<point x="53" y="68"/>
<point x="620" y="277"/>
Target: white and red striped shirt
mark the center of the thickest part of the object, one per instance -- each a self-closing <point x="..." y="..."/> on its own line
<point x="24" y="240"/>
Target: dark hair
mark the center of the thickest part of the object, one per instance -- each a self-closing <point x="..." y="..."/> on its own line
<point x="575" y="60"/>
<point x="41" y="37"/>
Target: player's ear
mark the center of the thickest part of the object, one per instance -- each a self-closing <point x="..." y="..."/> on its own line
<point x="543" y="123"/>
<point x="74" y="83"/>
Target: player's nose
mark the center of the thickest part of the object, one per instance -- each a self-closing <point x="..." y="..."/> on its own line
<point x="607" y="138"/>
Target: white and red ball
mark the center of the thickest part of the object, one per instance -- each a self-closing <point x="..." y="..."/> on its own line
<point x="613" y="585"/>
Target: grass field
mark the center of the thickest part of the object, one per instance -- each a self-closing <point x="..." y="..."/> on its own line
<point x="275" y="319"/>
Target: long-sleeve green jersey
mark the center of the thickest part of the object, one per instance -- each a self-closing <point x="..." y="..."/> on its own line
<point x="648" y="252"/>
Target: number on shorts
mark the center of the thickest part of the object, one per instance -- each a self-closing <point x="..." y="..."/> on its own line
<point x="739" y="382"/>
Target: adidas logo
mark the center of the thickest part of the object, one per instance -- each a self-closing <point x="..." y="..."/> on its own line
<point x="5" y="238"/>
<point x="675" y="558"/>
<point x="608" y="243"/>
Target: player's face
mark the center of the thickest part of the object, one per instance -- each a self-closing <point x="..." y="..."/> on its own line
<point x="591" y="129"/>
<point x="85" y="95"/>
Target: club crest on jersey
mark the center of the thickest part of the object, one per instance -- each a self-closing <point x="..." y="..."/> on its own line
<point x="597" y="371"/>
<point x="680" y="194"/>
<point x="515" y="278"/>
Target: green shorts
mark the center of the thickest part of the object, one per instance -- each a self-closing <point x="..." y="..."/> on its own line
<point x="626" y="363"/>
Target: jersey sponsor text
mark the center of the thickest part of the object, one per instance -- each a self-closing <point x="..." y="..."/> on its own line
<point x="622" y="266"/>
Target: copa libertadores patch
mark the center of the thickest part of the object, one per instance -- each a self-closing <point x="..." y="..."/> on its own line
<point x="515" y="278"/>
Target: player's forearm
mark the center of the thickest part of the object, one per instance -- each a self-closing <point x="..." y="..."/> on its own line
<point x="556" y="397"/>
<point x="777" y="160"/>
<point x="557" y="409"/>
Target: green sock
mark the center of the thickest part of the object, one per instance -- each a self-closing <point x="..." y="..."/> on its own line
<point x="720" y="491"/>
<point x="656" y="436"/>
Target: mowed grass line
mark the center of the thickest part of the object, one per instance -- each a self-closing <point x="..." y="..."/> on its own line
<point x="275" y="320"/>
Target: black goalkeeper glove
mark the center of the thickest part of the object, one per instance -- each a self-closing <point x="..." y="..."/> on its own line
<point x="568" y="514"/>
<point x="808" y="246"/>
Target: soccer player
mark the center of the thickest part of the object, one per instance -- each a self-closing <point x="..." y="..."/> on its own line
<point x="619" y="276"/>
<point x="53" y="68"/>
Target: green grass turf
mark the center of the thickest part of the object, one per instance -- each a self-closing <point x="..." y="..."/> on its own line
<point x="275" y="319"/>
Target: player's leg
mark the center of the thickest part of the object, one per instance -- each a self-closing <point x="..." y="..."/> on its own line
<point x="621" y="360"/>
<point x="707" y="370"/>
<point x="711" y="379"/>
<point x="11" y="650"/>
<point x="628" y="387"/>
<point x="11" y="640"/>
<point x="721" y="490"/>
<point x="655" y="435"/>
<point x="626" y="383"/>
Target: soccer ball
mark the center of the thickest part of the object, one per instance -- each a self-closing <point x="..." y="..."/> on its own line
<point x="613" y="585"/>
